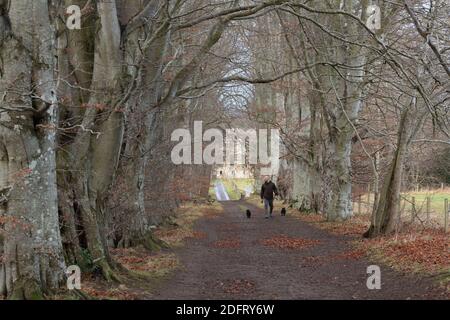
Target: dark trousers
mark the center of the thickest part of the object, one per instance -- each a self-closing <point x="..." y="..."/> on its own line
<point x="268" y="206"/>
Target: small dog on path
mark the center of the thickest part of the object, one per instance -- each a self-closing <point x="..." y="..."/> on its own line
<point x="248" y="213"/>
<point x="283" y="211"/>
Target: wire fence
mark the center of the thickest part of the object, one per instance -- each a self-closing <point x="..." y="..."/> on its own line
<point x="430" y="209"/>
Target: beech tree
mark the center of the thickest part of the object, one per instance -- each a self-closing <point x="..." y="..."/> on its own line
<point x="31" y="246"/>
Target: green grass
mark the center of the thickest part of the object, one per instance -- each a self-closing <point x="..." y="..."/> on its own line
<point x="243" y="183"/>
<point x="437" y="199"/>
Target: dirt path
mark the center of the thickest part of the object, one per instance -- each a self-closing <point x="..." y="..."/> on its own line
<point x="221" y="192"/>
<point x="239" y="266"/>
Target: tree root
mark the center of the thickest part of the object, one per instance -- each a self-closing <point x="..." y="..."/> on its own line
<point x="151" y="243"/>
<point x="26" y="289"/>
<point x="148" y="241"/>
<point x="108" y="272"/>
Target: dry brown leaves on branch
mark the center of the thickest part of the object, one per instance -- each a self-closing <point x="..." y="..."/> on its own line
<point x="285" y="242"/>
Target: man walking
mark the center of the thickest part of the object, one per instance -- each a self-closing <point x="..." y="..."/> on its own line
<point x="268" y="190"/>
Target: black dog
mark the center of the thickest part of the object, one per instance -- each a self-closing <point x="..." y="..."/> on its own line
<point x="283" y="211"/>
<point x="248" y="213"/>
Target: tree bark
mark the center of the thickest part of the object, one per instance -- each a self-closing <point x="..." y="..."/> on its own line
<point x="90" y="159"/>
<point x="341" y="185"/>
<point x="33" y="261"/>
<point x="385" y="219"/>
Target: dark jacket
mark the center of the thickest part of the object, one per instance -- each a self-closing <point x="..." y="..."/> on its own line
<point x="268" y="189"/>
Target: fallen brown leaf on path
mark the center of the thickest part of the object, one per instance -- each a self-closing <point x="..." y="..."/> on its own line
<point x="353" y="254"/>
<point x="285" y="242"/>
<point x="199" y="235"/>
<point x="227" y="243"/>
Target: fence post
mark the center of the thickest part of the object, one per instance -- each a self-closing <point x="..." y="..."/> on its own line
<point x="446" y="215"/>
<point x="428" y="208"/>
<point x="413" y="209"/>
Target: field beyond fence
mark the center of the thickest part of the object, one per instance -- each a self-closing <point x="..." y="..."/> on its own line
<point x="427" y="207"/>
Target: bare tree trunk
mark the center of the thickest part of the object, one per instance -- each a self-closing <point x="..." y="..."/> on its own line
<point x="90" y="161"/>
<point x="316" y="167"/>
<point x="385" y="218"/>
<point x="144" y="131"/>
<point x="348" y="106"/>
<point x="137" y="153"/>
<point x="341" y="201"/>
